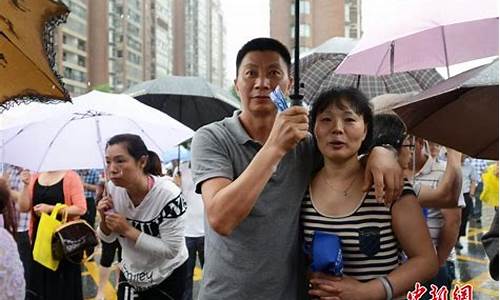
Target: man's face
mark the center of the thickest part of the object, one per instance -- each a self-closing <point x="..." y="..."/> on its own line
<point x="259" y="74"/>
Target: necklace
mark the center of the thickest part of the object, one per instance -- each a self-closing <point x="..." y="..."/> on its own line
<point x="345" y="192"/>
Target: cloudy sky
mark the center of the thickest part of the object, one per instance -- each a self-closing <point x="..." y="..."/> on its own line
<point x="247" y="19"/>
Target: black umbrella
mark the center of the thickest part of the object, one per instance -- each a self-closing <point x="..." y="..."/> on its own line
<point x="192" y="101"/>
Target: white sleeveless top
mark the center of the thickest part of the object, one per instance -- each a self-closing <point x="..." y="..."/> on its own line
<point x="12" y="282"/>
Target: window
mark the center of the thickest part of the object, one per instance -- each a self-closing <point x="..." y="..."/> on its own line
<point x="304" y="29"/>
<point x="304" y="6"/>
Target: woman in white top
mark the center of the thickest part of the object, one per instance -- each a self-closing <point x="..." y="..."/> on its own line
<point x="146" y="214"/>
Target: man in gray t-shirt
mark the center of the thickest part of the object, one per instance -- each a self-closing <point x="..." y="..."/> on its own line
<point x="252" y="170"/>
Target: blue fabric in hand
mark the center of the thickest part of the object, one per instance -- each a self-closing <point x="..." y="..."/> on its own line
<point x="326" y="254"/>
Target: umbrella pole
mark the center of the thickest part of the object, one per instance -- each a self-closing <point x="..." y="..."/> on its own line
<point x="413" y="160"/>
<point x="99" y="145"/>
<point x="391" y="57"/>
<point x="445" y="49"/>
<point x="179" y="146"/>
<point x="296" y="97"/>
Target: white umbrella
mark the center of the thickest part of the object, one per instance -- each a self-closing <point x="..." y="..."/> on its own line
<point x="73" y="137"/>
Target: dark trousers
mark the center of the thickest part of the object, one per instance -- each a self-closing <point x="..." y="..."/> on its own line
<point x="25" y="253"/>
<point x="195" y="246"/>
<point x="478" y="205"/>
<point x="172" y="288"/>
<point x="444" y="277"/>
<point x="89" y="215"/>
<point x="465" y="214"/>
<point x="108" y="253"/>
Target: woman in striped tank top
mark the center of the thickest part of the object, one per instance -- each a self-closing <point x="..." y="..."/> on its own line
<point x="372" y="234"/>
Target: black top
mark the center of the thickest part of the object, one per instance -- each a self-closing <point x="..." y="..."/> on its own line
<point x="46" y="194"/>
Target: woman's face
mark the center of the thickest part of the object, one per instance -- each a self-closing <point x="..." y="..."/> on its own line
<point x="339" y="132"/>
<point x="405" y="153"/>
<point x="122" y="169"/>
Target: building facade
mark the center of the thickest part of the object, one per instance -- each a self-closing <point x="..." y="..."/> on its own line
<point x="114" y="44"/>
<point x="72" y="48"/>
<point x="320" y="20"/>
<point x="199" y="34"/>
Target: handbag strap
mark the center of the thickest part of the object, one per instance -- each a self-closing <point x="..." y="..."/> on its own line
<point x="56" y="210"/>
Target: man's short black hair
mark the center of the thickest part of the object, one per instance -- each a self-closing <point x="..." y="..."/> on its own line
<point x="388" y="129"/>
<point x="263" y="44"/>
<point x="357" y="101"/>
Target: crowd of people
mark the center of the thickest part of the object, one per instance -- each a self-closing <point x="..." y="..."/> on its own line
<point x="258" y="189"/>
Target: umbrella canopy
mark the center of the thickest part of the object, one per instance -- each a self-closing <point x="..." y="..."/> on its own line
<point x="460" y="112"/>
<point x="27" y="53"/>
<point x="387" y="102"/>
<point x="191" y="100"/>
<point x="318" y="74"/>
<point x="75" y="135"/>
<point x="426" y="34"/>
<point x="179" y="152"/>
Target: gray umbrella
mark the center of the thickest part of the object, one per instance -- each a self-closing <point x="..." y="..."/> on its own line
<point x="460" y="112"/>
<point x="318" y="66"/>
<point x="192" y="101"/>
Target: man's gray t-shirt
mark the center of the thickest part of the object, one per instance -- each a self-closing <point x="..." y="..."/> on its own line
<point x="260" y="258"/>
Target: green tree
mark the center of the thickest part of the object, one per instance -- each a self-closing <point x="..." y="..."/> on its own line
<point x="105" y="87"/>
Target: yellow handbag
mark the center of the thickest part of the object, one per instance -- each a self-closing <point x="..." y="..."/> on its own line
<point x="42" y="250"/>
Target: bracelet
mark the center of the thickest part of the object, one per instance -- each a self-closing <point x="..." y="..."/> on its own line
<point x="387" y="287"/>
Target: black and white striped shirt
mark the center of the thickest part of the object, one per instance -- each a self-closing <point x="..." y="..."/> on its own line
<point x="380" y="251"/>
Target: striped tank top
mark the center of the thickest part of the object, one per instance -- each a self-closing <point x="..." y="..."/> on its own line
<point x="369" y="246"/>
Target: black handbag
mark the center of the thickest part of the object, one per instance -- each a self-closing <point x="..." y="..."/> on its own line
<point x="71" y="239"/>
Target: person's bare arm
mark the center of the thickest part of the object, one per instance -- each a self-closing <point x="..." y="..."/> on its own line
<point x="447" y="192"/>
<point x="228" y="202"/>
<point x="449" y="233"/>
<point x="24" y="198"/>
<point x="422" y="261"/>
<point x="90" y="187"/>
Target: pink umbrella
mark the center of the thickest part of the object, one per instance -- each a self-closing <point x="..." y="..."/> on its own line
<point x="426" y="34"/>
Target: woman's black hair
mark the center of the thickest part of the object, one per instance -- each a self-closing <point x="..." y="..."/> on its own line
<point x="155" y="160"/>
<point x="136" y="148"/>
<point x="388" y="129"/>
<point x="7" y="208"/>
<point x="355" y="100"/>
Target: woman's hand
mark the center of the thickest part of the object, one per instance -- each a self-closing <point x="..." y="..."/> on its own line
<point x="43" y="208"/>
<point x="104" y="206"/>
<point x="118" y="224"/>
<point x="25" y="177"/>
<point x="337" y="288"/>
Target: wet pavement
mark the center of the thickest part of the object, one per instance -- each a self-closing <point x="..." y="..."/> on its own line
<point x="471" y="267"/>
